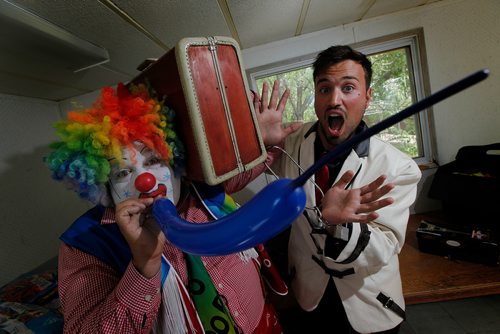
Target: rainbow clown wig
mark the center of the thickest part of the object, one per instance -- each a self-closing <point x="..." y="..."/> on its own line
<point x="91" y="137"/>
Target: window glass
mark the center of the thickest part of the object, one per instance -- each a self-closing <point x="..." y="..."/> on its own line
<point x="392" y="91"/>
<point x="300" y="105"/>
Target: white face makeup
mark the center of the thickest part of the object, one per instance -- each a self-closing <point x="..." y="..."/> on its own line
<point x="142" y="175"/>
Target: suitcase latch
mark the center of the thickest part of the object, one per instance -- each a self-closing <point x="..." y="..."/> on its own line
<point x="212" y="46"/>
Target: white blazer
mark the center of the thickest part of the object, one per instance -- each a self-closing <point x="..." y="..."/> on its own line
<point x="376" y="268"/>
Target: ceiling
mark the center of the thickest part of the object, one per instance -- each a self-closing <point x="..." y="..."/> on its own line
<point x="130" y="31"/>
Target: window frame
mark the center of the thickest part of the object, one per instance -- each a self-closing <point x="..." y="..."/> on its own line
<point x="414" y="39"/>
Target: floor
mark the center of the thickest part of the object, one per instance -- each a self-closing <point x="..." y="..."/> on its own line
<point x="479" y="315"/>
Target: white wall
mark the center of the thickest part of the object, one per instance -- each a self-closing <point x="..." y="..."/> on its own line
<point x="34" y="209"/>
<point x="461" y="37"/>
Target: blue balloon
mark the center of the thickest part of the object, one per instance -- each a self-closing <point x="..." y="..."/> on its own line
<point x="258" y="220"/>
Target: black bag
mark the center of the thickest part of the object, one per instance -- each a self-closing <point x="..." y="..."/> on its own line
<point x="469" y="187"/>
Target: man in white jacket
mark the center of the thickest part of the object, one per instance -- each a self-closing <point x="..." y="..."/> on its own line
<point x="346" y="277"/>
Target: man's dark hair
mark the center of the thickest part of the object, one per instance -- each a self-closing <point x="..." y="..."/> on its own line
<point x="337" y="53"/>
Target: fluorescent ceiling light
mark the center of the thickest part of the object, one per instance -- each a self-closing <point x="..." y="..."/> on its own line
<point x="26" y="36"/>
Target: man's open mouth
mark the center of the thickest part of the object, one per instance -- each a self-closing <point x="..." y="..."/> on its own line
<point x="160" y="191"/>
<point x="335" y="123"/>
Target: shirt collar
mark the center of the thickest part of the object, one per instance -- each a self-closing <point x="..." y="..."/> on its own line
<point x="108" y="217"/>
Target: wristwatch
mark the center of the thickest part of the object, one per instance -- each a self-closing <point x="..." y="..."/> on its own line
<point x="338" y="231"/>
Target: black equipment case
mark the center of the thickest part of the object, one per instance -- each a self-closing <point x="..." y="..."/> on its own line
<point x="469" y="190"/>
<point x="456" y="242"/>
<point x="469" y="187"/>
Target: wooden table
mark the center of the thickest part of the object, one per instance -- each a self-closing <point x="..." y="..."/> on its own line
<point x="429" y="278"/>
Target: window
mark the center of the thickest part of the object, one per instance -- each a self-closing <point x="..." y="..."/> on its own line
<point x="398" y="81"/>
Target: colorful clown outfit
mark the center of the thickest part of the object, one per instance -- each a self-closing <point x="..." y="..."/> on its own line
<point x="128" y="303"/>
<point x="100" y="289"/>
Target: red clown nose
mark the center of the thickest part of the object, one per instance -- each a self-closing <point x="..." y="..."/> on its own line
<point x="145" y="182"/>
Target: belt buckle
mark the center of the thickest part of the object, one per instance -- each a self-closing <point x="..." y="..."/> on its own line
<point x="388" y="303"/>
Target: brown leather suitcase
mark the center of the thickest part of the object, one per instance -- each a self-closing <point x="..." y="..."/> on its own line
<point x="202" y="79"/>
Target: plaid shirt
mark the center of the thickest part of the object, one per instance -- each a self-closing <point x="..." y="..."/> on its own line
<point x="95" y="299"/>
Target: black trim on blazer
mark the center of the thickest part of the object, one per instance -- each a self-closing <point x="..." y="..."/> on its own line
<point x="387" y="302"/>
<point x="333" y="272"/>
<point x="363" y="240"/>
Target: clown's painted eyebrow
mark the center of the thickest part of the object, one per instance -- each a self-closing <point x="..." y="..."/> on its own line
<point x="146" y="150"/>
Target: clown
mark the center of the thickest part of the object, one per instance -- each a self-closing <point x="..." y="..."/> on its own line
<point x="117" y="271"/>
<point x="95" y="138"/>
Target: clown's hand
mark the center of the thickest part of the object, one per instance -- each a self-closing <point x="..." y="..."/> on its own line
<point x="270" y="115"/>
<point x="142" y="234"/>
<point x="342" y="205"/>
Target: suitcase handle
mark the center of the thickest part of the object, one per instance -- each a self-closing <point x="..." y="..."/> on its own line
<point x="478" y="152"/>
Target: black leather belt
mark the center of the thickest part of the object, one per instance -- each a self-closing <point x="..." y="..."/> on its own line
<point x="391" y="305"/>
